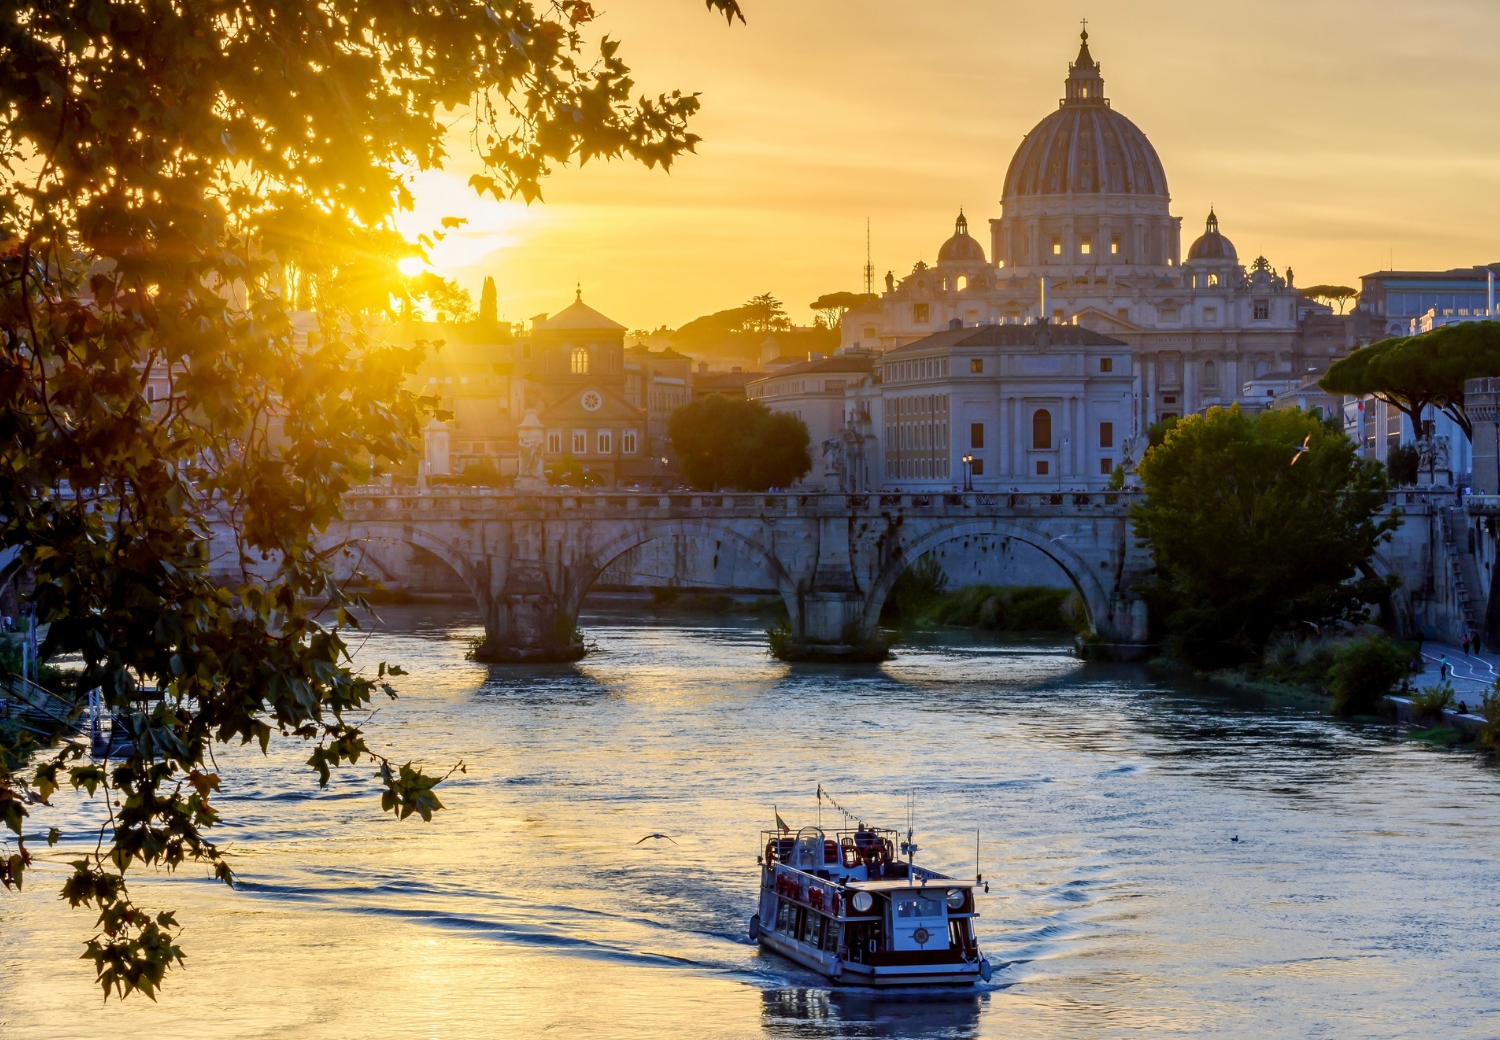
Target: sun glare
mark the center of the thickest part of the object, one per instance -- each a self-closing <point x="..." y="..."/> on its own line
<point x="411" y="266"/>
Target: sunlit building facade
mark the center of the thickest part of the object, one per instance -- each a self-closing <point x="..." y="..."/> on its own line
<point x="1086" y="238"/>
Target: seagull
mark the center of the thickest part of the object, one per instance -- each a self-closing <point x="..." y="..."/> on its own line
<point x="1297" y="454"/>
<point x="650" y="836"/>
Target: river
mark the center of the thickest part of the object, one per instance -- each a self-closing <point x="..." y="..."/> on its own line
<point x="1163" y="860"/>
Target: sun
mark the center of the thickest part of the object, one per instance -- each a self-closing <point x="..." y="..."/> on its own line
<point x="411" y="266"/>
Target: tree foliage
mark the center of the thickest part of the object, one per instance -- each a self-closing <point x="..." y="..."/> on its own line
<point x="1247" y="543"/>
<point x="833" y="306"/>
<point x="755" y="318"/>
<point x="734" y="444"/>
<point x="1333" y="295"/>
<point x="195" y="232"/>
<point x="488" y="311"/>
<point x="1413" y="372"/>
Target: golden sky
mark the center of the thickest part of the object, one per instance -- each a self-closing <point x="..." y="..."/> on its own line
<point x="1331" y="135"/>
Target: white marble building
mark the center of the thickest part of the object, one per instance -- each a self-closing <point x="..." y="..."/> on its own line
<point x="1086" y="237"/>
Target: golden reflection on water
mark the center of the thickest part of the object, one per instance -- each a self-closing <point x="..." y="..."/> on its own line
<point x="1107" y="802"/>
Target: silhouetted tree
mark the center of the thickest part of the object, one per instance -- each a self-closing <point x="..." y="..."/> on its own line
<point x="173" y="178"/>
<point x="488" y="312"/>
<point x="739" y="445"/>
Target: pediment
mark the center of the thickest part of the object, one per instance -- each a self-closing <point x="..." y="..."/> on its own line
<point x="577" y="405"/>
<point x="1102" y="321"/>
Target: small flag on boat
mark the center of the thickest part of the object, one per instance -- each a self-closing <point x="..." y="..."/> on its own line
<point x="781" y="824"/>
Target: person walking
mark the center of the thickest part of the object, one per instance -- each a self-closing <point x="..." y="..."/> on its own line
<point x="1443" y="669"/>
<point x="1466" y="644"/>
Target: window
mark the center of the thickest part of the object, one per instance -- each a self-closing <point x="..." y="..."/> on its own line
<point x="1041" y="468"/>
<point x="961" y="282"/>
<point x="526" y="352"/>
<point x="554" y="444"/>
<point x="606" y="442"/>
<point x="1169" y="313"/>
<point x="580" y="361"/>
<point x="1213" y="279"/>
<point x="1086" y="246"/>
<point x="580" y="442"/>
<point x="1169" y="399"/>
<point x="1168" y="415"/>
<point x="870" y="332"/>
<point x="1106" y="467"/>
<point x="976" y="435"/>
<point x="1262" y="310"/>
<point x="1114" y="244"/>
<point x="1123" y="313"/>
<point x="1056" y="246"/>
<point x="919" y="313"/>
<point x="1210" y="376"/>
<point x="627" y="442"/>
<point x="1106" y="364"/>
<point x="1041" y="430"/>
<point x="1106" y="435"/>
<point x="1210" y="314"/>
<point x="976" y="365"/>
<point x="976" y="467"/>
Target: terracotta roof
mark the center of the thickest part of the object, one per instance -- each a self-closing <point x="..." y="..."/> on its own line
<point x="577" y="315"/>
<point x="837" y="363"/>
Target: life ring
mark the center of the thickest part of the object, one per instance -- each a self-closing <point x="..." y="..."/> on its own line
<point x="921" y="936"/>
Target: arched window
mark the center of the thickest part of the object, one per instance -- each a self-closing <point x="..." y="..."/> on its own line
<point x="1210" y="376"/>
<point x="580" y="361"/>
<point x="1041" y="430"/>
<point x="961" y="282"/>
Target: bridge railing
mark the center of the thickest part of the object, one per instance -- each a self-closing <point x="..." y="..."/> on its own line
<point x="400" y="502"/>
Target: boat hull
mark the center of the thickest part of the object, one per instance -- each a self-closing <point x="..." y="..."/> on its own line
<point x="840" y="973"/>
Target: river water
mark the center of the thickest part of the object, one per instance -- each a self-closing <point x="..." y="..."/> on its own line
<point x="1360" y="899"/>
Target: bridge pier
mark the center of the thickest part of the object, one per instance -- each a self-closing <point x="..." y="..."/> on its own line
<point x="529" y="628"/>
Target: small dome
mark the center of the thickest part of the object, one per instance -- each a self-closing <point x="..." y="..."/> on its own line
<point x="1212" y="245"/>
<point x="961" y="248"/>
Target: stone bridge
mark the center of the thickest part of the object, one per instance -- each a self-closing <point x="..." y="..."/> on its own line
<point x="530" y="558"/>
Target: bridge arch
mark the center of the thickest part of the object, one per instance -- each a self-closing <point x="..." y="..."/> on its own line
<point x="1096" y="600"/>
<point x="587" y="572"/>
<point x="397" y="532"/>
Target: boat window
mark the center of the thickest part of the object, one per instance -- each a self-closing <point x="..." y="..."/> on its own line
<point x="918" y="906"/>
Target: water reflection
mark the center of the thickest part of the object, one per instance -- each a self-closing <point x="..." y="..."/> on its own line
<point x="813" y="1012"/>
<point x="1163" y="858"/>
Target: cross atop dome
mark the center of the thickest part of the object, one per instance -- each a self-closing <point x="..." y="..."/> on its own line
<point x="1085" y="84"/>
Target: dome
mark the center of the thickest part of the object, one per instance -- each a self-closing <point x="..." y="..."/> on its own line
<point x="1212" y="245"/>
<point x="1085" y="147"/>
<point x="961" y="248"/>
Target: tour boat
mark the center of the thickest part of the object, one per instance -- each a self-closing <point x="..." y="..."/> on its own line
<point x="851" y="910"/>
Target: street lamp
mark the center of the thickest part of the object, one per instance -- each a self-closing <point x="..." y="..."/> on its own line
<point x="968" y="472"/>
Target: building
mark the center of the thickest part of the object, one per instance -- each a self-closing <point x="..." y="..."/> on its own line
<point x="1394" y="303"/>
<point x="659" y="382"/>
<point x="1036" y="406"/>
<point x="818" y="392"/>
<point x="575" y="379"/>
<point x="1086" y="237"/>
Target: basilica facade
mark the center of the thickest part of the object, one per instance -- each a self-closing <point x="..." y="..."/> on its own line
<point x="1085" y="238"/>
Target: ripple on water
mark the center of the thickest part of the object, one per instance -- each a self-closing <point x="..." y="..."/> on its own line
<point x="1106" y="802"/>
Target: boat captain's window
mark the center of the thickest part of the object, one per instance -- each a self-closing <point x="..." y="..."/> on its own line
<point x="918" y="906"/>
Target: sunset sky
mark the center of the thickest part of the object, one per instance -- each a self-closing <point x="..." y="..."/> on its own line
<point x="1331" y="135"/>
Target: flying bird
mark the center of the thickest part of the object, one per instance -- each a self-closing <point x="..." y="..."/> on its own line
<point x="650" y="836"/>
<point x="1297" y="454"/>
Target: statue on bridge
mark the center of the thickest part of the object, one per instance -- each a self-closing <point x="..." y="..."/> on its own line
<point x="530" y="477"/>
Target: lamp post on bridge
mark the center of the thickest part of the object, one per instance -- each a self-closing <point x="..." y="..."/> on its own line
<point x="968" y="461"/>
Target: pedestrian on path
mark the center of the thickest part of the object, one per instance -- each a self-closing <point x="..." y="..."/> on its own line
<point x="1466" y="644"/>
<point x="1443" y="669"/>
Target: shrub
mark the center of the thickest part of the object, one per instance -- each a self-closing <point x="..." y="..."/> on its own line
<point x="915" y="591"/>
<point x="1489" y="734"/>
<point x="1364" y="672"/>
<point x="1430" y="702"/>
<point x="1304" y="662"/>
